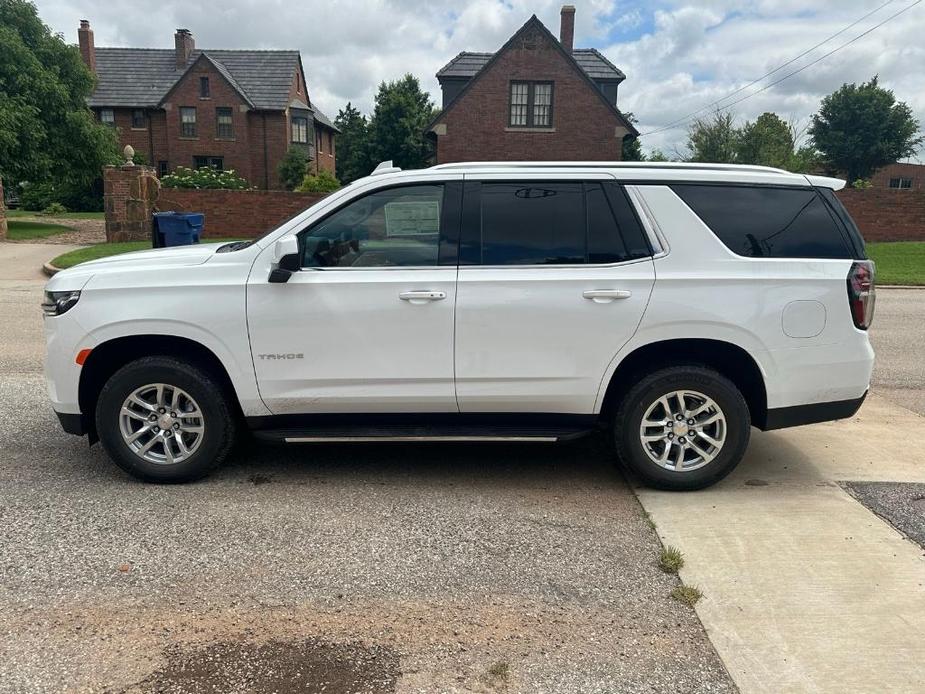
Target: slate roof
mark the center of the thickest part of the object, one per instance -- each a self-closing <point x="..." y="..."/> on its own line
<point x="141" y="77"/>
<point x="595" y="65"/>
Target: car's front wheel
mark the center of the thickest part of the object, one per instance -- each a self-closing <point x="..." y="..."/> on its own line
<point x="682" y="427"/>
<point x="163" y="420"/>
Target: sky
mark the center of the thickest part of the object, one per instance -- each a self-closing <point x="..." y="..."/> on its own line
<point x="678" y="57"/>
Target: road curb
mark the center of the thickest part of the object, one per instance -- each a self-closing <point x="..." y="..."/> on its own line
<point x="50" y="269"/>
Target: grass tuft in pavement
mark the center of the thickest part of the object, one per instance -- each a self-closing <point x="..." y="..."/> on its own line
<point x="899" y="262"/>
<point x="671" y="560"/>
<point x="499" y="673"/>
<point x="18" y="230"/>
<point x="689" y="595"/>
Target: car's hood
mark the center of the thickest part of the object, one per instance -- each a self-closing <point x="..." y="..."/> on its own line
<point x="177" y="256"/>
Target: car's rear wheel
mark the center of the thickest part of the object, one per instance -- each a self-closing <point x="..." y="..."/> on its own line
<point x="682" y="427"/>
<point x="163" y="420"/>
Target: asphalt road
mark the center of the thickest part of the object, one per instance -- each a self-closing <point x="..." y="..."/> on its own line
<point x="898" y="336"/>
<point x="371" y="568"/>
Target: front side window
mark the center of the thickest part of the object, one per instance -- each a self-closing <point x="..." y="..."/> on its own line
<point x="107" y="117"/>
<point x="224" y="123"/>
<point x="300" y="129"/>
<point x="531" y="105"/>
<point x="187" y="121"/>
<point x="393" y="227"/>
<point x="138" y="118"/>
<point x="765" y="222"/>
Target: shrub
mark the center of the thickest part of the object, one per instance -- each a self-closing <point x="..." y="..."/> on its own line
<point x="37" y="196"/>
<point x="862" y="183"/>
<point x="323" y="182"/>
<point x="205" y="178"/>
<point x="54" y="208"/>
<point x="76" y="197"/>
<point x="292" y="168"/>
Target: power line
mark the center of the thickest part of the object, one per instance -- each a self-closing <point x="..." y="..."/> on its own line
<point x="791" y="74"/>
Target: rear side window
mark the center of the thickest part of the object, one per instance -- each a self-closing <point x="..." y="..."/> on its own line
<point x="553" y="223"/>
<point x="765" y="222"/>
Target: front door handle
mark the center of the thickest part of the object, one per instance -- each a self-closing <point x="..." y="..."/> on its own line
<point x="605" y="296"/>
<point x="422" y="296"/>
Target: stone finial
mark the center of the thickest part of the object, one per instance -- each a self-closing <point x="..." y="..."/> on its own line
<point x="129" y="153"/>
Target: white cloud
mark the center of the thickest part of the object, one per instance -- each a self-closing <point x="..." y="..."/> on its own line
<point x="677" y="56"/>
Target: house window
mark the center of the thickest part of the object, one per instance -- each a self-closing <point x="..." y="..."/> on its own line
<point x="903" y="183"/>
<point x="531" y="105"/>
<point x="107" y="116"/>
<point x="299" y="129"/>
<point x="320" y="141"/>
<point x="203" y="87"/>
<point x="162" y="168"/>
<point x="187" y="121"/>
<point x="203" y="162"/>
<point x="331" y="144"/>
<point x="138" y="118"/>
<point x="224" y="123"/>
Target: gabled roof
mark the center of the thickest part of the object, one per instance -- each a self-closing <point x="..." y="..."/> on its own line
<point x="532" y="23"/>
<point x="141" y="77"/>
<point x="595" y="65"/>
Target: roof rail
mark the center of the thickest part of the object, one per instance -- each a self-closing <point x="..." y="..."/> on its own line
<point x="609" y="165"/>
<point x="384" y="168"/>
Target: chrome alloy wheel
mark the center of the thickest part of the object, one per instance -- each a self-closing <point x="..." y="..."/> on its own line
<point x="683" y="430"/>
<point x="161" y="424"/>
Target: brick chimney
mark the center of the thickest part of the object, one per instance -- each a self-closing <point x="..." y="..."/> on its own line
<point x="85" y="41"/>
<point x="567" y="27"/>
<point x="183" y="41"/>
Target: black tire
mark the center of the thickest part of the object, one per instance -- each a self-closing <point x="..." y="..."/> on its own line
<point x="626" y="428"/>
<point x="220" y="425"/>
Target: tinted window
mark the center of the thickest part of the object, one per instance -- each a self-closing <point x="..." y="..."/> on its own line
<point x="533" y="223"/>
<point x="614" y="231"/>
<point x="394" y="227"/>
<point x="854" y="233"/>
<point x="764" y="222"/>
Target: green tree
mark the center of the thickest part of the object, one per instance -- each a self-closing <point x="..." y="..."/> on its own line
<point x="713" y="139"/>
<point x="632" y="147"/>
<point x="47" y="133"/>
<point x="770" y="141"/>
<point x="657" y="155"/>
<point x="861" y="128"/>
<point x="402" y="112"/>
<point x="353" y="160"/>
<point x="292" y="168"/>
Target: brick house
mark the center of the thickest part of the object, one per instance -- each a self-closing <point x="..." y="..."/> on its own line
<point x="536" y="98"/>
<point x="900" y="176"/>
<point x="233" y="109"/>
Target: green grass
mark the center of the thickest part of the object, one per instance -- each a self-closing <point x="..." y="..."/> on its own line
<point x="899" y="262"/>
<point x="671" y="560"/>
<point x="24" y="231"/>
<point x="104" y="250"/>
<point x="13" y="214"/>
<point x="689" y="595"/>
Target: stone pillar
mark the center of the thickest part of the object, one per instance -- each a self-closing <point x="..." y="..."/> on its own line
<point x="2" y="214"/>
<point x="129" y="195"/>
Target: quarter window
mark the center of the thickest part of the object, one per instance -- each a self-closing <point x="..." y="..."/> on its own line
<point x="765" y="222"/>
<point x="138" y="118"/>
<point x="224" y="123"/>
<point x="188" y="121"/>
<point x="531" y="105"/>
<point x="394" y="227"/>
<point x="299" y="129"/>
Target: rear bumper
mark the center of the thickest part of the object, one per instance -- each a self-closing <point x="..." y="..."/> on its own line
<point x="72" y="423"/>
<point x="798" y="415"/>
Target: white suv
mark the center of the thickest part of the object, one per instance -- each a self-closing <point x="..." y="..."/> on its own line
<point x="672" y="305"/>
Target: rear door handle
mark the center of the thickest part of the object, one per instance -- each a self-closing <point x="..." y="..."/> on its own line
<point x="605" y="296"/>
<point x="422" y="296"/>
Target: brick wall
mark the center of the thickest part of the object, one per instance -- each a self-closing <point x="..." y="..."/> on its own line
<point x="885" y="214"/>
<point x="2" y="214"/>
<point x="233" y="213"/>
<point x="584" y="128"/>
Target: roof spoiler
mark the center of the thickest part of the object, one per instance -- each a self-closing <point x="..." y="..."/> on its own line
<point x="384" y="168"/>
<point x="825" y="182"/>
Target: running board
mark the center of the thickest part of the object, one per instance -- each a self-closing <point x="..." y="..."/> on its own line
<point x="412" y="433"/>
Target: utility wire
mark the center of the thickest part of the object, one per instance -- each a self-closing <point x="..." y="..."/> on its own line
<point x="789" y="62"/>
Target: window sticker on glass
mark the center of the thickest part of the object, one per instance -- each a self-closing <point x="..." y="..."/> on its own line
<point x="412" y="218"/>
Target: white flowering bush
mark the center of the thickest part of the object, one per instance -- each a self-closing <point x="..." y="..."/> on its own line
<point x="207" y="177"/>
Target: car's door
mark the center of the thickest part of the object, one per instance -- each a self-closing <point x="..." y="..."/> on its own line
<point x="554" y="278"/>
<point x="367" y="324"/>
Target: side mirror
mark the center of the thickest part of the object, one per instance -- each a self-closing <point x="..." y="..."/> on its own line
<point x="286" y="259"/>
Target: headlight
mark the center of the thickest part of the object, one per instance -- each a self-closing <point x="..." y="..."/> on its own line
<point x="57" y="303"/>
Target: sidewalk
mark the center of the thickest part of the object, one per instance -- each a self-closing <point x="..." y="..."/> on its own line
<point x="805" y="590"/>
<point x="21" y="262"/>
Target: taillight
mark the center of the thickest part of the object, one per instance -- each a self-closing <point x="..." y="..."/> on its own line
<point x="862" y="293"/>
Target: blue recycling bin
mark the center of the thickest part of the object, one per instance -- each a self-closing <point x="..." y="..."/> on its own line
<point x="177" y="228"/>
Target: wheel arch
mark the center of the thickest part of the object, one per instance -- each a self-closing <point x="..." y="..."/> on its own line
<point x="729" y="359"/>
<point x="110" y="356"/>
